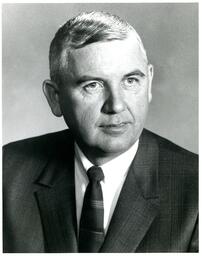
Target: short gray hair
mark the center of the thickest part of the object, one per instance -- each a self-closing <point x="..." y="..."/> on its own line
<point x="84" y="29"/>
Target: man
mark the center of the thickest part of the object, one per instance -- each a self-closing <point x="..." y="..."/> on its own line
<point x="105" y="184"/>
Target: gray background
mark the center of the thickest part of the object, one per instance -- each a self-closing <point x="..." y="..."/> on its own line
<point x="169" y="33"/>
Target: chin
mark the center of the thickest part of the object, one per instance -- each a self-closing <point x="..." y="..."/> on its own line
<point x="116" y="148"/>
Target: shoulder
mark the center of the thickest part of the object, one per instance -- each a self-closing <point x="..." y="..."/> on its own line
<point x="43" y="144"/>
<point x="177" y="166"/>
<point x="169" y="151"/>
<point x="26" y="158"/>
<point x="178" y="170"/>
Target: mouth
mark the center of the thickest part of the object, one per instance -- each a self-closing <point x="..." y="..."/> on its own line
<point x="115" y="128"/>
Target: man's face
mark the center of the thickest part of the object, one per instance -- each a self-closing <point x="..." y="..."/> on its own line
<point x="105" y="95"/>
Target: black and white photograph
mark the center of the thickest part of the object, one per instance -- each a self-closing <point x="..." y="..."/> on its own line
<point x="100" y="127"/>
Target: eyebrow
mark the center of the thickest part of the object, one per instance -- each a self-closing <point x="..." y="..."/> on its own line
<point x="136" y="72"/>
<point x="85" y="78"/>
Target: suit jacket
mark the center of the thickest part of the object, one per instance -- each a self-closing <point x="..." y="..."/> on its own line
<point x="156" y="212"/>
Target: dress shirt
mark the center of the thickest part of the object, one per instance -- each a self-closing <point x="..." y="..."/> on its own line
<point x="115" y="172"/>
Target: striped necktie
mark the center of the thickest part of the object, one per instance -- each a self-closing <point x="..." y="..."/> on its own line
<point x="91" y="232"/>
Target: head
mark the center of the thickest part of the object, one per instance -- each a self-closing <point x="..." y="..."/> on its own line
<point x="100" y="83"/>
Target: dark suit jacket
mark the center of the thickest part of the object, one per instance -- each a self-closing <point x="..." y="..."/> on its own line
<point x="156" y="210"/>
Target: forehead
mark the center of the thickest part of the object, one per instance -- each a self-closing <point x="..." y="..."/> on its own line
<point x="105" y="58"/>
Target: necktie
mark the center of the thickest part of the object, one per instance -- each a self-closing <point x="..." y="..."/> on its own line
<point x="91" y="232"/>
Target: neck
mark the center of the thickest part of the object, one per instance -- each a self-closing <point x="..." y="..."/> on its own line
<point x="96" y="160"/>
<point x="98" y="157"/>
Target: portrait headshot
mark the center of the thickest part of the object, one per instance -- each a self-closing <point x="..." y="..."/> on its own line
<point x="100" y="127"/>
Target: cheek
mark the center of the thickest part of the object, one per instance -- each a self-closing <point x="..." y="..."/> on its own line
<point x="88" y="116"/>
<point x="88" y="111"/>
<point x="138" y="106"/>
<point x="83" y="116"/>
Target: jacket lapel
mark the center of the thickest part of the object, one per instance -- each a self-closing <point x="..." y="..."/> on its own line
<point x="56" y="201"/>
<point x="138" y="202"/>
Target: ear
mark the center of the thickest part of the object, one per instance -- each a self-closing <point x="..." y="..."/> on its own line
<point x="150" y="76"/>
<point x="51" y="92"/>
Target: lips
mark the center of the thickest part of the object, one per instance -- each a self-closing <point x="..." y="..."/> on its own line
<point x="114" y="128"/>
<point x="114" y="125"/>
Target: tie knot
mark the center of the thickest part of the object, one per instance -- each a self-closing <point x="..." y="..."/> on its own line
<point x="95" y="173"/>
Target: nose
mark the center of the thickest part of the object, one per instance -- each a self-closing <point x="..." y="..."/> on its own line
<point x="114" y="102"/>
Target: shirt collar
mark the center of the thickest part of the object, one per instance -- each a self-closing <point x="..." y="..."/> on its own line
<point x="117" y="167"/>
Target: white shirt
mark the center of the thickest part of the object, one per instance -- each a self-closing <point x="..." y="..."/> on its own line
<point x="115" y="172"/>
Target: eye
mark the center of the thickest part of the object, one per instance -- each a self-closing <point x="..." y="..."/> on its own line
<point x="131" y="82"/>
<point x="93" y="86"/>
